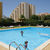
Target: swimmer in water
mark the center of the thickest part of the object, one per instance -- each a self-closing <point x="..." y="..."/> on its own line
<point x="26" y="44"/>
<point x="21" y="33"/>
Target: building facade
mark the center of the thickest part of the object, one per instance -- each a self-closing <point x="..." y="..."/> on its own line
<point x="23" y="9"/>
<point x="31" y="10"/>
<point x="0" y="10"/>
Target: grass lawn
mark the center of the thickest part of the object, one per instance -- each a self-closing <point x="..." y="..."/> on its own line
<point x="14" y="27"/>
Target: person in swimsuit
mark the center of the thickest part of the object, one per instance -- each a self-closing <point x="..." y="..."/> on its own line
<point x="26" y="43"/>
<point x="21" y="33"/>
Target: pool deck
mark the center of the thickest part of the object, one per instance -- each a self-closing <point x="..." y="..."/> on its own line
<point x="47" y="47"/>
<point x="20" y="27"/>
<point x="44" y="46"/>
<point x="4" y="46"/>
<point x="14" y="27"/>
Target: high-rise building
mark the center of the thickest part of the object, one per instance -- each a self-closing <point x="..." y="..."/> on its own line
<point x="15" y="14"/>
<point x="26" y="10"/>
<point x="31" y="10"/>
<point x="23" y="9"/>
<point x="0" y="10"/>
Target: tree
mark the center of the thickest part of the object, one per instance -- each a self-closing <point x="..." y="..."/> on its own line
<point x="22" y="18"/>
<point x="47" y="21"/>
<point x="34" y="17"/>
<point x="6" y="21"/>
<point x="9" y="20"/>
<point x="33" y="20"/>
<point x="47" y="17"/>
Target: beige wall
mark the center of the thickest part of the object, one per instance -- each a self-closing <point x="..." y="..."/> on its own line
<point x="0" y="10"/>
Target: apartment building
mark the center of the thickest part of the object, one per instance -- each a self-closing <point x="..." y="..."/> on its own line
<point x="31" y="10"/>
<point x="23" y="9"/>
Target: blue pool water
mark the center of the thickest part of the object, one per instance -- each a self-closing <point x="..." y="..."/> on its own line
<point x="30" y="34"/>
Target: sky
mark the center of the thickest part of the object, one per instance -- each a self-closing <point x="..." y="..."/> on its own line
<point x="41" y="6"/>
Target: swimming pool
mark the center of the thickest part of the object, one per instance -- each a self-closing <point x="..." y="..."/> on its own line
<point x="30" y="34"/>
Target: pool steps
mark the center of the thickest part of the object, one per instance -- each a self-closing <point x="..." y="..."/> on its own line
<point x="9" y="47"/>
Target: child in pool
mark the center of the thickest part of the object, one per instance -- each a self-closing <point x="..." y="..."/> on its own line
<point x="21" y="33"/>
<point x="26" y="44"/>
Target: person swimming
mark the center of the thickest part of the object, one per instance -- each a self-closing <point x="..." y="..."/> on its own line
<point x="26" y="44"/>
<point x="21" y="33"/>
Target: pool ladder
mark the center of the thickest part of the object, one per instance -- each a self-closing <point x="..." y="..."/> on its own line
<point x="18" y="46"/>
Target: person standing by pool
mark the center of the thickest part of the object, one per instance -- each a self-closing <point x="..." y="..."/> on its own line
<point x="21" y="33"/>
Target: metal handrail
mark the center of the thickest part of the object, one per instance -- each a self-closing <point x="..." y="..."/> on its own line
<point x="15" y="44"/>
<point x="22" y="46"/>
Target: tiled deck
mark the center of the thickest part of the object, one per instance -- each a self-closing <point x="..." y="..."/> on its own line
<point x="47" y="47"/>
<point x="44" y="46"/>
<point x="3" y="48"/>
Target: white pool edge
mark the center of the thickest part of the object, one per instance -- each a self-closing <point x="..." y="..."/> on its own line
<point x="43" y="45"/>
